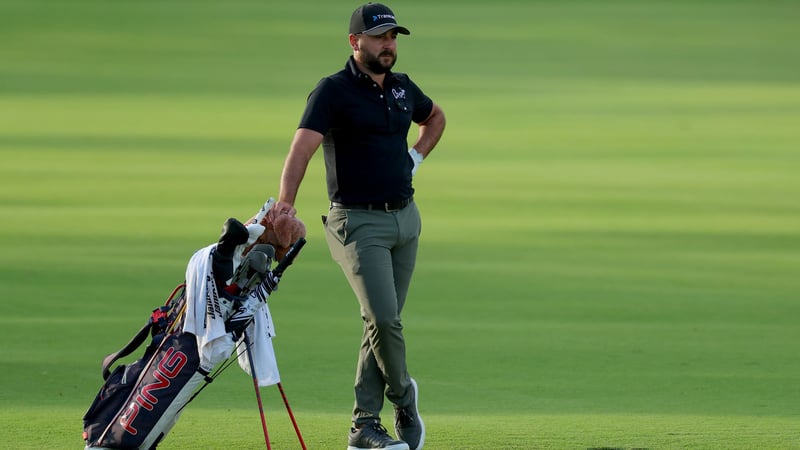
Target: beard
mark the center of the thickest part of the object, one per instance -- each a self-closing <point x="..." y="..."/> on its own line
<point x="374" y="63"/>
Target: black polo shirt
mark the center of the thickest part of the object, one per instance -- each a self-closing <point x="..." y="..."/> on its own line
<point x="366" y="129"/>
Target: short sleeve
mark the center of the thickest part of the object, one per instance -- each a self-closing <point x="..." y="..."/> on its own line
<point x="423" y="105"/>
<point x="317" y="115"/>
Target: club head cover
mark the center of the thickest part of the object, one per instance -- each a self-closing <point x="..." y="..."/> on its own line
<point x="234" y="233"/>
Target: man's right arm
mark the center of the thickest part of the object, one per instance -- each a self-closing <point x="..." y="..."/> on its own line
<point x="304" y="145"/>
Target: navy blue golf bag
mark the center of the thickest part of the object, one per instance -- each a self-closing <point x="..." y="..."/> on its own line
<point x="140" y="402"/>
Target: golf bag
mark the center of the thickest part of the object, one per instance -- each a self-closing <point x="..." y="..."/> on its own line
<point x="139" y="403"/>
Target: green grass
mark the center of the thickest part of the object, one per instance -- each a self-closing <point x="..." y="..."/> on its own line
<point x="610" y="241"/>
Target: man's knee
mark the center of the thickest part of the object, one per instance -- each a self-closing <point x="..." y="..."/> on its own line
<point x="384" y="325"/>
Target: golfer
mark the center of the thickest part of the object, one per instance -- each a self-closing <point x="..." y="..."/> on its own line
<point x="361" y="115"/>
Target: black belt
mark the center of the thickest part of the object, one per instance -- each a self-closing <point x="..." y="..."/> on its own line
<point x="386" y="206"/>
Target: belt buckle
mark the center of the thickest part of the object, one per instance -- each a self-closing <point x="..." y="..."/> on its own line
<point x="387" y="207"/>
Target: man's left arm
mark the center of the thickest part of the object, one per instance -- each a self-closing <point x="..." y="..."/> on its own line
<point x="430" y="131"/>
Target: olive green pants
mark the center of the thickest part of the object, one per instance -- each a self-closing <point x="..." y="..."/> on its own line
<point x="377" y="251"/>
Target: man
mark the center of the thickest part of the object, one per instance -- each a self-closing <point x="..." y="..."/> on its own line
<point x="361" y="116"/>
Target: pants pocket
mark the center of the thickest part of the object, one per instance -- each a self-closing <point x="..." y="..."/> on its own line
<point x="336" y="225"/>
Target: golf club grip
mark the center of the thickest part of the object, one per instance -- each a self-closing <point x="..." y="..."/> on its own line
<point x="288" y="259"/>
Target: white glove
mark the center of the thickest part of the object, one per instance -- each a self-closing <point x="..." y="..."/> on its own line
<point x="417" y="157"/>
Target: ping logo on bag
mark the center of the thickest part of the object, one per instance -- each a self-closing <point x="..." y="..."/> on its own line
<point x="168" y="368"/>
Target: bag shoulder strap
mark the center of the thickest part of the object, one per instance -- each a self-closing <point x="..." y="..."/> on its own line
<point x="155" y="324"/>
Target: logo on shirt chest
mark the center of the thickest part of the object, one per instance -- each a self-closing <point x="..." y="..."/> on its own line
<point x="399" y="93"/>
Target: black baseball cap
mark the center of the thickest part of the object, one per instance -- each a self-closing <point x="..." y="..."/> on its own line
<point x="374" y="19"/>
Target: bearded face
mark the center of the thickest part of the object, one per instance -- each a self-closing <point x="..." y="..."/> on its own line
<point x="380" y="63"/>
<point x="377" y="53"/>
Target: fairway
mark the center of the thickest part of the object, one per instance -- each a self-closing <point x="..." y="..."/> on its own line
<point x="611" y="223"/>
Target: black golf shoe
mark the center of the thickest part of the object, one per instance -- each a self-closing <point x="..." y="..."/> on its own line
<point x="371" y="436"/>
<point x="408" y="424"/>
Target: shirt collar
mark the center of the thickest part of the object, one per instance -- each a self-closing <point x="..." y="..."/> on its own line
<point x="352" y="67"/>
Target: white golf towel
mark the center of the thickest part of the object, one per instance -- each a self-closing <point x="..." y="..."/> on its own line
<point x="260" y="332"/>
<point x="205" y="318"/>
